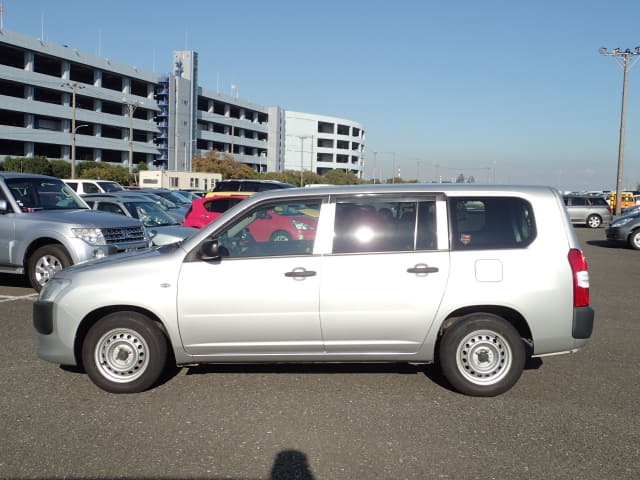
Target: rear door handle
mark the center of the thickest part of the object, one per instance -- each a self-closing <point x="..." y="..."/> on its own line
<point x="421" y="268"/>
<point x="300" y="273"/>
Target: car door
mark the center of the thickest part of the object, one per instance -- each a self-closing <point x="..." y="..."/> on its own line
<point x="7" y="230"/>
<point x="258" y="298"/>
<point x="384" y="280"/>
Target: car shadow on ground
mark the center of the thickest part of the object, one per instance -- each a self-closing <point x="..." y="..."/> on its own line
<point x="601" y="243"/>
<point x="432" y="372"/>
<point x="9" y="280"/>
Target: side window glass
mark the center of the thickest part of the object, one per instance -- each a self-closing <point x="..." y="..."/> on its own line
<point x="491" y="223"/>
<point x="273" y="229"/>
<point x="111" y="208"/>
<point x="91" y="188"/>
<point x="218" y="206"/>
<point x="384" y="225"/>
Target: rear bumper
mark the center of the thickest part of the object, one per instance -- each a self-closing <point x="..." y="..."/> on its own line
<point x="583" y="319"/>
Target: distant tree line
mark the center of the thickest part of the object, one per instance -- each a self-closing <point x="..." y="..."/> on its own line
<point x="211" y="162"/>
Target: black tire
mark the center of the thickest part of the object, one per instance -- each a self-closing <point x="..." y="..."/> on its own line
<point x="482" y="355"/>
<point x="44" y="262"/>
<point x="594" y="221"/>
<point x="124" y="352"/>
<point x="280" y="236"/>
<point x="634" y="240"/>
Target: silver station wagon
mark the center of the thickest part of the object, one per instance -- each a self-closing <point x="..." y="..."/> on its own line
<point x="473" y="278"/>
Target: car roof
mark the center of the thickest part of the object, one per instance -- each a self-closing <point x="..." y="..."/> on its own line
<point x="116" y="198"/>
<point x="26" y="175"/>
<point x="451" y="189"/>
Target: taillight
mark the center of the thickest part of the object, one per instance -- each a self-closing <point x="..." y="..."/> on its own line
<point x="580" y="278"/>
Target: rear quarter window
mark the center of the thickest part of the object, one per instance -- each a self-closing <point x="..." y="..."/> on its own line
<point x="491" y="223"/>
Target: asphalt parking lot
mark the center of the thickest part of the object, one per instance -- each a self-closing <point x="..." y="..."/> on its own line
<point x="569" y="417"/>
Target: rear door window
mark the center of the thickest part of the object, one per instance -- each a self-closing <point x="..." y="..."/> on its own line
<point x="491" y="223"/>
<point x="384" y="225"/>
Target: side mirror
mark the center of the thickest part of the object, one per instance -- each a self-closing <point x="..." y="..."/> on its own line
<point x="3" y="206"/>
<point x="212" y="250"/>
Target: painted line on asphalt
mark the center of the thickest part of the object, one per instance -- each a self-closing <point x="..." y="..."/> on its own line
<point x="11" y="298"/>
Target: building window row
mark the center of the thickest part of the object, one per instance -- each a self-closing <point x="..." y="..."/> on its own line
<point x="232" y="111"/>
<point x="55" y="67"/>
<point x="338" y="158"/>
<point x="327" y="127"/>
<point x="229" y="130"/>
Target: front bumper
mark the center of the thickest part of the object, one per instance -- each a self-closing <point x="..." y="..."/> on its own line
<point x="50" y="346"/>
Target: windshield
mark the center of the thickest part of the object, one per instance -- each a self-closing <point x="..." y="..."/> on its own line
<point x="111" y="186"/>
<point x="174" y="197"/>
<point x="163" y="202"/>
<point x="32" y="194"/>
<point x="150" y="214"/>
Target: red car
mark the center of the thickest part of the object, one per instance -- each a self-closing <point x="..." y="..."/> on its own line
<point x="205" y="210"/>
<point x="282" y="225"/>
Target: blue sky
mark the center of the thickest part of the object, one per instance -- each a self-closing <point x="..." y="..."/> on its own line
<point x="449" y="87"/>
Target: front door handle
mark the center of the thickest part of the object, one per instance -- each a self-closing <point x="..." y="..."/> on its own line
<point x="300" y="273"/>
<point x="423" y="269"/>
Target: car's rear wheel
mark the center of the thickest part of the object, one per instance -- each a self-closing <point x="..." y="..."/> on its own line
<point x="44" y="263"/>
<point x="634" y="240"/>
<point x="594" y="221"/>
<point x="482" y="355"/>
<point x="124" y="352"/>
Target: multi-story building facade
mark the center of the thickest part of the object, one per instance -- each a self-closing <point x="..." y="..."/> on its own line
<point x="59" y="102"/>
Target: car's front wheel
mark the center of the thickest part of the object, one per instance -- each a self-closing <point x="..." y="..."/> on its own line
<point x="280" y="236"/>
<point x="44" y="263"/>
<point x="634" y="240"/>
<point x="594" y="221"/>
<point x="124" y="352"/>
<point x="482" y="355"/>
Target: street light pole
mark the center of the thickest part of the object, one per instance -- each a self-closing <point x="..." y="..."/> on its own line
<point x="74" y="129"/>
<point x="131" y="107"/>
<point x="624" y="59"/>
<point x="73" y="86"/>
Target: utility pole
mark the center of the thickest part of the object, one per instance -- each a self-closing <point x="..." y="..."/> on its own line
<point x="302" y="139"/>
<point x="393" y="172"/>
<point x="375" y="166"/>
<point x="132" y="107"/>
<point x="73" y="86"/>
<point x="624" y="60"/>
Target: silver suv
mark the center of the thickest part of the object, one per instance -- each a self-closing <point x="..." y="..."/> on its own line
<point x="590" y="210"/>
<point x="473" y="278"/>
<point x="45" y="227"/>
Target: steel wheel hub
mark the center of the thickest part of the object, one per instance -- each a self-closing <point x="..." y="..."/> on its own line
<point x="121" y="355"/>
<point x="484" y="357"/>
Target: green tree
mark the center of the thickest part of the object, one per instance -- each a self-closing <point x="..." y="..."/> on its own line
<point x="60" y="168"/>
<point x="222" y="163"/>
<point x="104" y="171"/>
<point x="339" y="177"/>
<point x="39" y="165"/>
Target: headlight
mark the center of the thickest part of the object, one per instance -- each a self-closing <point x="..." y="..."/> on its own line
<point x="53" y="288"/>
<point x="301" y="225"/>
<point x="93" y="236"/>
<point x="621" y="222"/>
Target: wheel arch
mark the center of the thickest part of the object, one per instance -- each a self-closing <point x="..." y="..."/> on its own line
<point x="41" y="242"/>
<point x="511" y="315"/>
<point x="92" y="318"/>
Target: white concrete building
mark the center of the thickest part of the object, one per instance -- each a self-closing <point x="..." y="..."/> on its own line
<point x="319" y="143"/>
